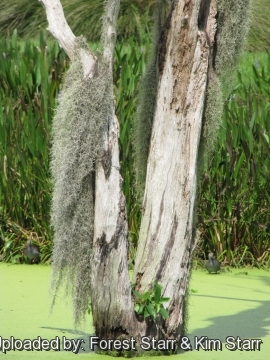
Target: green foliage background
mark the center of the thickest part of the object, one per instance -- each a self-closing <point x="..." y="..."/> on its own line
<point x="30" y="77"/>
<point x="85" y="17"/>
<point x="234" y="194"/>
<point x="135" y="19"/>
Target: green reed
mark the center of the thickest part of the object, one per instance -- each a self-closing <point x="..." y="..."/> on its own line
<point x="30" y="77"/>
<point x="234" y="194"/>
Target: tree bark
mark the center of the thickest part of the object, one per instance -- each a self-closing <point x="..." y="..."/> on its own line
<point x="111" y="301"/>
<point x="112" y="306"/>
<point x="167" y="234"/>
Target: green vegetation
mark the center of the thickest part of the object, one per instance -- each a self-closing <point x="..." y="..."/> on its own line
<point x="130" y="60"/>
<point x="259" y="34"/>
<point x="84" y="16"/>
<point x="30" y="78"/>
<point x="135" y="20"/>
<point x="234" y="194"/>
<point x="150" y="303"/>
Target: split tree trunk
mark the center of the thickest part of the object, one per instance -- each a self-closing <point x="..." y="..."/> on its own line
<point x="167" y="233"/>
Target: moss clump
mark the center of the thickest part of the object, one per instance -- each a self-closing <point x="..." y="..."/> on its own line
<point x="233" y="20"/>
<point x="212" y="114"/>
<point x="233" y="23"/>
<point x="84" y="107"/>
<point x="147" y="100"/>
<point x="145" y="115"/>
<point x="119" y="353"/>
<point x="135" y="353"/>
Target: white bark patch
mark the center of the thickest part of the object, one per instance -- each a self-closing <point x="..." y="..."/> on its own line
<point x="113" y="312"/>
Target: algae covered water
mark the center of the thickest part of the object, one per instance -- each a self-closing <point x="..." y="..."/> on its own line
<point x="229" y="317"/>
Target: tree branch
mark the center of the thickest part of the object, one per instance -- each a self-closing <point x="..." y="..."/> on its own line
<point x="58" y="26"/>
<point x="109" y="29"/>
<point x="61" y="31"/>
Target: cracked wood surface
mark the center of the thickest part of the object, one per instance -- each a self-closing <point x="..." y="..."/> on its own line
<point x="167" y="234"/>
<point x="111" y="301"/>
<point x="167" y="231"/>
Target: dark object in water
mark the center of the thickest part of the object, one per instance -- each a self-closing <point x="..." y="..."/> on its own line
<point x="212" y="265"/>
<point x="32" y="252"/>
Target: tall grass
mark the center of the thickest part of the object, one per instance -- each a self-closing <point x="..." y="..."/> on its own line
<point x="84" y="17"/>
<point x="234" y="196"/>
<point x="30" y="77"/>
<point x="259" y="34"/>
<point x="31" y="74"/>
<point x="130" y="60"/>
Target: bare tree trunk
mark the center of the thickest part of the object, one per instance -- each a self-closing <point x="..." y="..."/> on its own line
<point x="167" y="235"/>
<point x="111" y="301"/>
<point x="167" y="232"/>
<point x="112" y="306"/>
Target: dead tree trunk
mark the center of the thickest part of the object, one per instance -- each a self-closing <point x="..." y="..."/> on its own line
<point x="188" y="63"/>
<point x="111" y="302"/>
<point x="167" y="232"/>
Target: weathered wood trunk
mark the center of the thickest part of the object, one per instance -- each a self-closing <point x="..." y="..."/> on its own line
<point x="111" y="301"/>
<point x="167" y="232"/>
<point x="112" y="306"/>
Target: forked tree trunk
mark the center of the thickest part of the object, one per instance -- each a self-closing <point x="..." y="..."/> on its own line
<point x="167" y="234"/>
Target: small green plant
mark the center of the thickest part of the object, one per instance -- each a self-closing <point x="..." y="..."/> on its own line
<point x="89" y="309"/>
<point x="150" y="303"/>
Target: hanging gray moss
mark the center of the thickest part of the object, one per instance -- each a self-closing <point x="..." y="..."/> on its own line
<point x="233" y="25"/>
<point x="233" y="22"/>
<point x="212" y="118"/>
<point x="146" y="104"/>
<point x="83" y="109"/>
